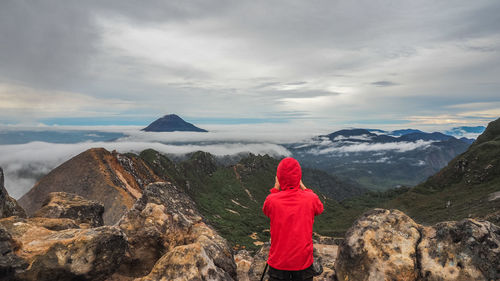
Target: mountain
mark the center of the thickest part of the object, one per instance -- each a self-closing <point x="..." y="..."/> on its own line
<point x="436" y="136"/>
<point x="465" y="130"/>
<point x="469" y="186"/>
<point x="379" y="161"/>
<point x="172" y="123"/>
<point x="398" y="133"/>
<point x="115" y="180"/>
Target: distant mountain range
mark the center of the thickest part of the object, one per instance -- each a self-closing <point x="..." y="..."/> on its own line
<point x="469" y="186"/>
<point x="172" y="123"/>
<point x="465" y="130"/>
<point x="379" y="160"/>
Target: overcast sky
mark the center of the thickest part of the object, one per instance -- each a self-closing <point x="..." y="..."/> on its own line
<point x="328" y="63"/>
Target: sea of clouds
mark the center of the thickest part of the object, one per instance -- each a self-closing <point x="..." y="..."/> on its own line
<point x="24" y="164"/>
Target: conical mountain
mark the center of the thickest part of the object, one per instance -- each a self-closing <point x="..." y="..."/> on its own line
<point x="172" y="123"/>
<point x="469" y="186"/>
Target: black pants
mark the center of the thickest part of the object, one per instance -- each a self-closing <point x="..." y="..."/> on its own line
<point x="299" y="275"/>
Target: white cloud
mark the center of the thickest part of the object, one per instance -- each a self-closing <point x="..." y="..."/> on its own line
<point x="38" y="158"/>
<point x="365" y="147"/>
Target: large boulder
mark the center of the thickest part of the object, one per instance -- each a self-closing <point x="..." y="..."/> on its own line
<point x="207" y="257"/>
<point x="381" y="245"/>
<point x="72" y="206"/>
<point x="388" y="245"/>
<point x="460" y="251"/>
<point x="42" y="254"/>
<point x="168" y="239"/>
<point x="8" y="205"/>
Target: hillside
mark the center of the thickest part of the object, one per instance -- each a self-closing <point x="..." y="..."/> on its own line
<point x="469" y="186"/>
<point x="97" y="174"/>
<point x="231" y="197"/>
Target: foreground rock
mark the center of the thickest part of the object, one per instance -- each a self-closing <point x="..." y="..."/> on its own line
<point x="72" y="206"/>
<point x="465" y="250"/>
<point x="388" y="245"/>
<point x="381" y="245"/>
<point x="8" y="205"/>
<point x="37" y="253"/>
<point x="10" y="263"/>
<point x="169" y="241"/>
<point x="251" y="268"/>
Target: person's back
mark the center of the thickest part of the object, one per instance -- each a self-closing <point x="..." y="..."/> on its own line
<point x="291" y="209"/>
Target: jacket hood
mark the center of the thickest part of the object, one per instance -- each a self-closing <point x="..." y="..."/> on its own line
<point x="289" y="173"/>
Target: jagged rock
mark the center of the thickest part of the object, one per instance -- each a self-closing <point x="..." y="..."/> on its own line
<point x="208" y="257"/>
<point x="71" y="254"/>
<point x="381" y="245"/>
<point x="244" y="261"/>
<point x="8" y="205"/>
<point x="167" y="239"/>
<point x="259" y="263"/>
<point x="324" y="254"/>
<point x="54" y="223"/>
<point x="465" y="250"/>
<point x="10" y="263"/>
<point x="72" y="206"/>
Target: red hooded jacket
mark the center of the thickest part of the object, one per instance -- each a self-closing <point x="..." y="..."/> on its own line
<point x="292" y="212"/>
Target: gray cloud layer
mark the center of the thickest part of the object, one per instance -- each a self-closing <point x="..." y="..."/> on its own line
<point x="332" y="61"/>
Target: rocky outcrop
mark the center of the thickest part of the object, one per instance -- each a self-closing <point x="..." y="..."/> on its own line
<point x="464" y="250"/>
<point x="389" y="245"/>
<point x="72" y="206"/>
<point x="115" y="180"/>
<point x="8" y="205"/>
<point x="168" y="239"/>
<point x="33" y="252"/>
<point x="10" y="263"/>
<point x="251" y="268"/>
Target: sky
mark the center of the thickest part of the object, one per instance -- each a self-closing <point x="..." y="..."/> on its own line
<point x="396" y="64"/>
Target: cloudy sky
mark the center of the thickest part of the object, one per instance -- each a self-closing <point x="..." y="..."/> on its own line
<point x="328" y="63"/>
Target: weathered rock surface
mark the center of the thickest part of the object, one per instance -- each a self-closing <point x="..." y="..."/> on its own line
<point x="38" y="253"/>
<point x="388" y="245"/>
<point x="381" y="245"/>
<point x="72" y="206"/>
<point x="167" y="240"/>
<point x="251" y="268"/>
<point x="113" y="179"/>
<point x="465" y="250"/>
<point x="8" y="205"/>
<point x="10" y="263"/>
